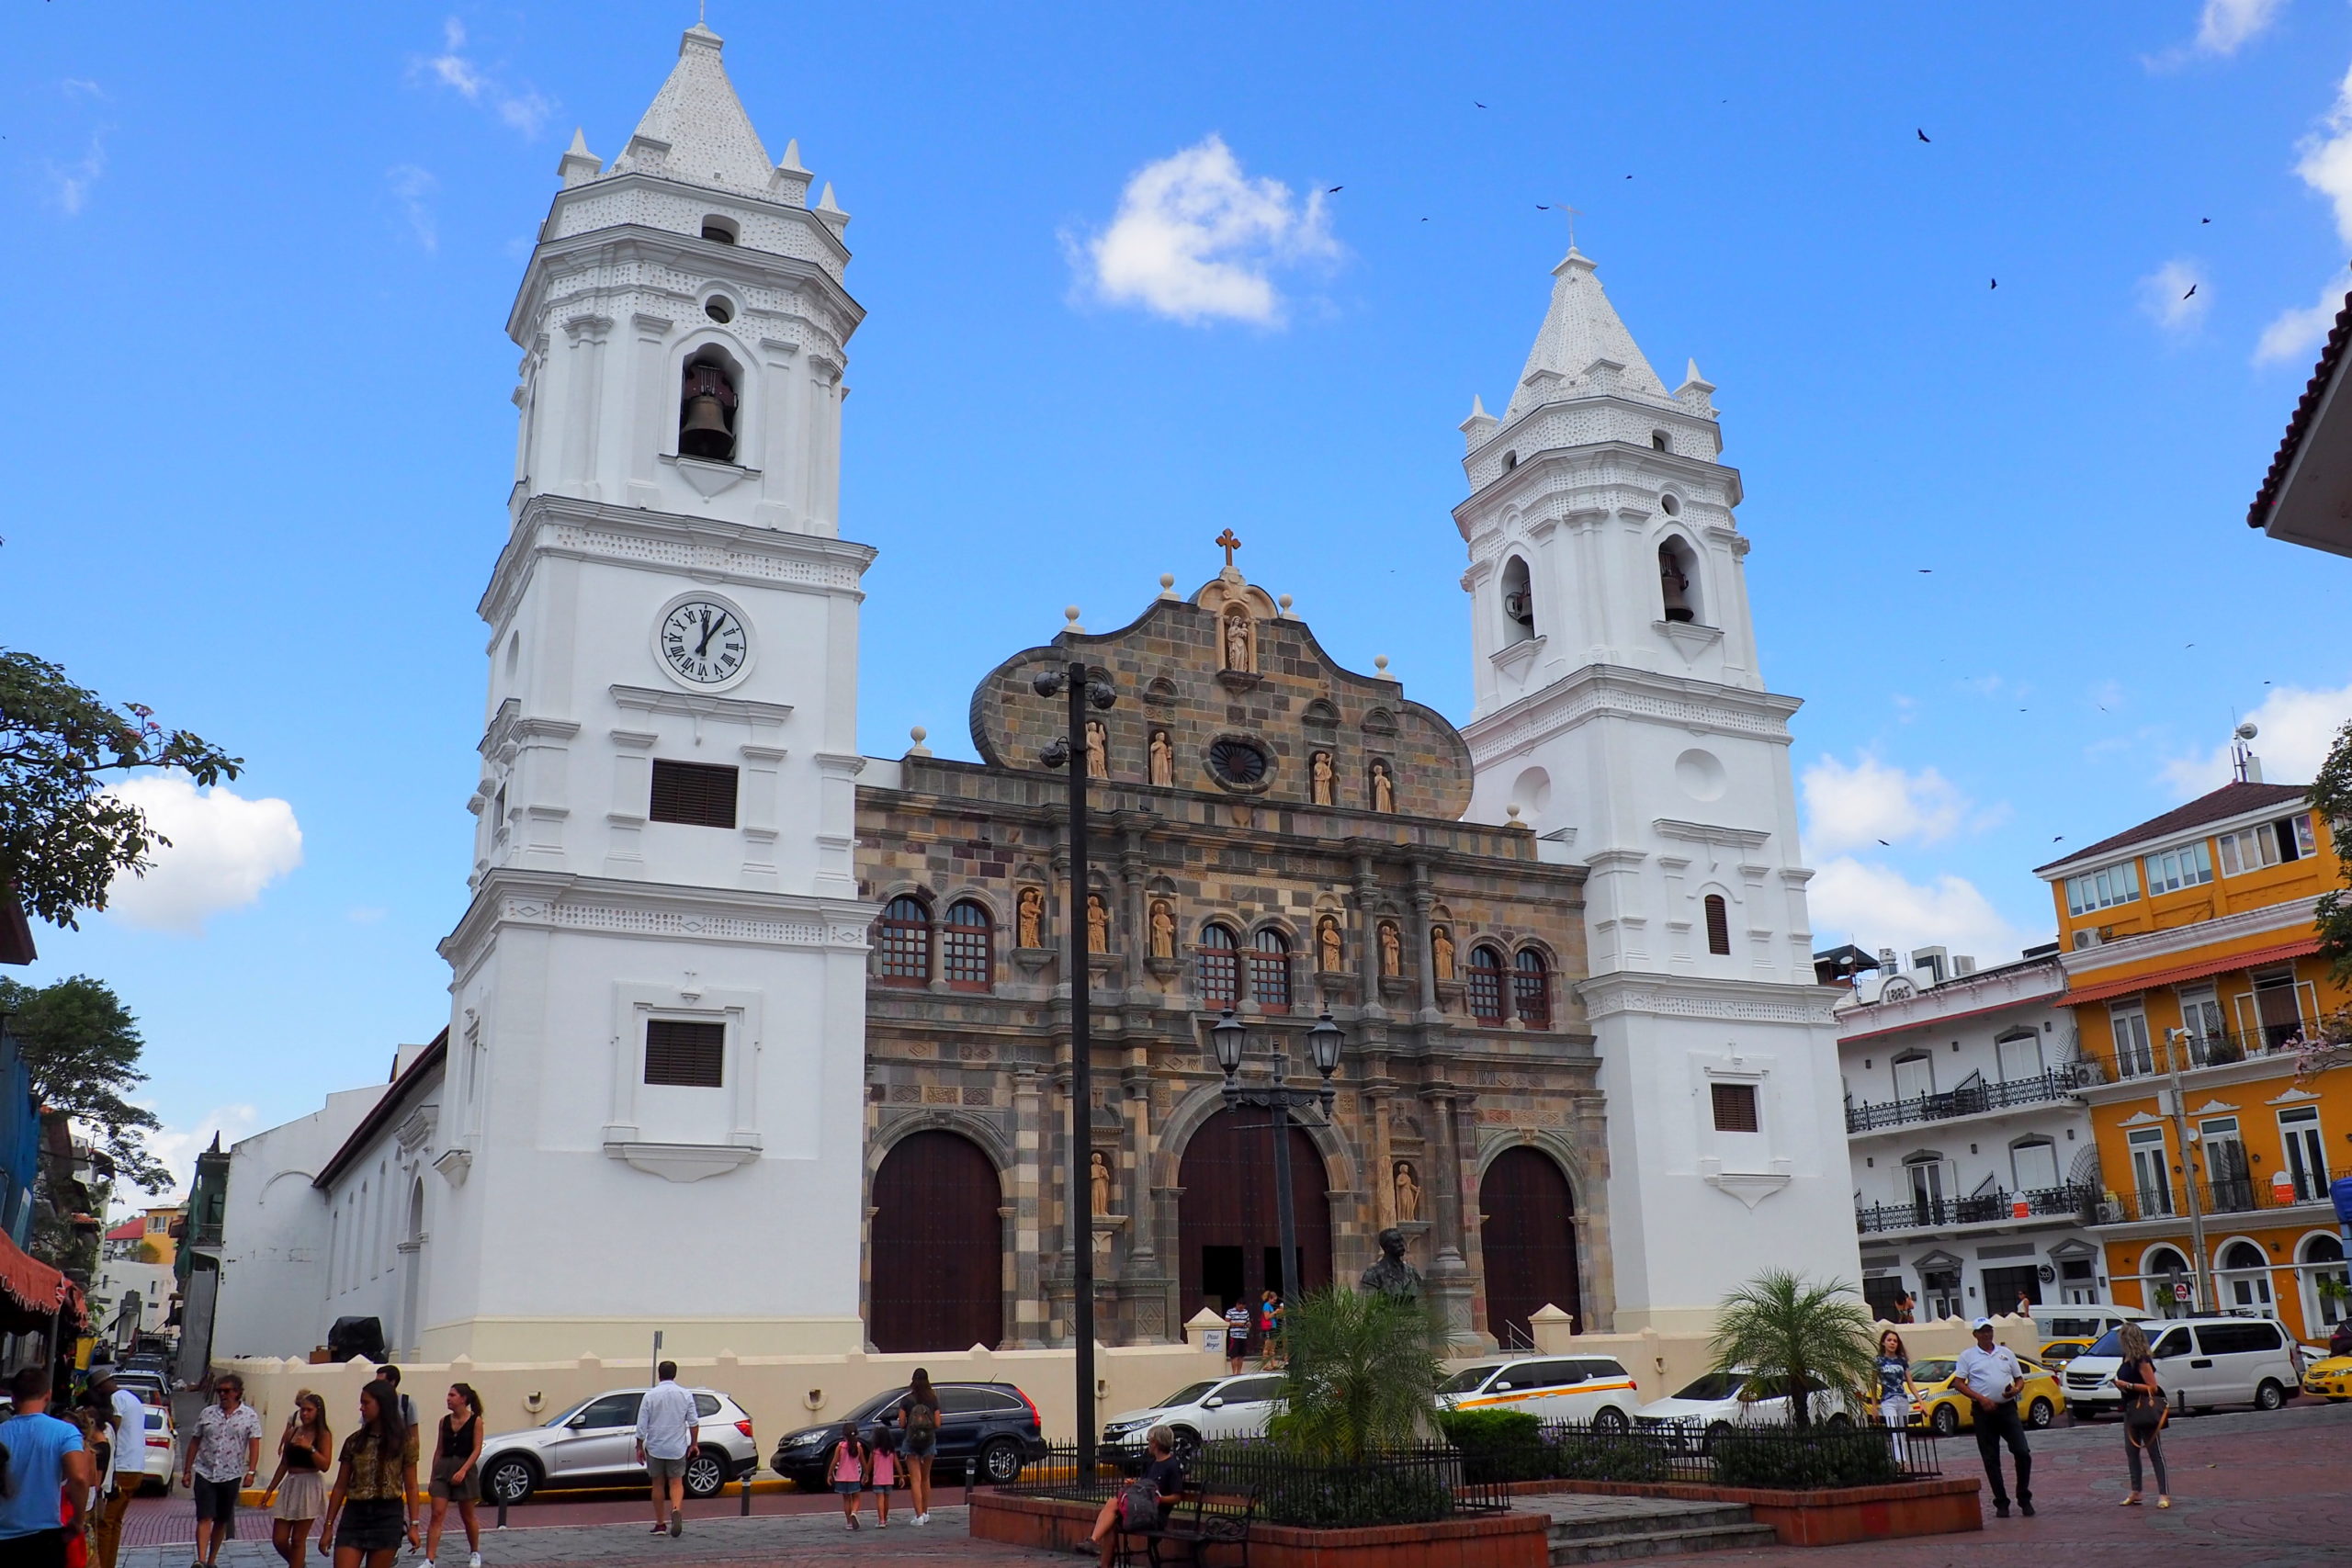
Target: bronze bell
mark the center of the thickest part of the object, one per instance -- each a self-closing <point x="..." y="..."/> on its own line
<point x="703" y="433"/>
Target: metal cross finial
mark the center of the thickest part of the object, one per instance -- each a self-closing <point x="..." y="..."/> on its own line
<point x="1573" y="214"/>
<point x="1227" y="542"/>
<point x="702" y="13"/>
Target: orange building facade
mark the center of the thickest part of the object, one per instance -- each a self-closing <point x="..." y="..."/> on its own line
<point x="2194" y="981"/>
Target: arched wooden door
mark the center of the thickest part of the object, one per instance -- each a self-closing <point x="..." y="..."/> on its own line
<point x="1228" y="1228"/>
<point x="937" y="1247"/>
<point x="1530" y="1241"/>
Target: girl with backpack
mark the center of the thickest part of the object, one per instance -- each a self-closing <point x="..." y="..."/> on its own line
<point x="918" y="1422"/>
<point x="849" y="1468"/>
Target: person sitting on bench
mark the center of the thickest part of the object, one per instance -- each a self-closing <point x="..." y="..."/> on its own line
<point x="1142" y="1502"/>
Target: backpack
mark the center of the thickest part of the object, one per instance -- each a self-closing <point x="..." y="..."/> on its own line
<point x="921" y="1419"/>
<point x="1139" y="1506"/>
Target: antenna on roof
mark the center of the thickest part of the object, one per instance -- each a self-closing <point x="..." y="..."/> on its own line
<point x="2244" y="764"/>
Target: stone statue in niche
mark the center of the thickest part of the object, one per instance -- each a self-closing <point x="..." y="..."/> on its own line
<point x="1329" y="957"/>
<point x="1029" y="918"/>
<point x="1098" y="924"/>
<point x="1163" y="929"/>
<point x="1409" y="1193"/>
<point x="1237" y="638"/>
<point x="1098" y="1176"/>
<point x="1164" y="758"/>
<point x="1392" y="1276"/>
<point x="1384" y="788"/>
<point x="1441" y="952"/>
<point x="1098" y="749"/>
<point x="1322" y="780"/>
<point x="1392" y="950"/>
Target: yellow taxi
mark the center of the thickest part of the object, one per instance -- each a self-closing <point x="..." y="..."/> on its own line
<point x="1943" y="1408"/>
<point x="2330" y="1378"/>
<point x="2056" y="1353"/>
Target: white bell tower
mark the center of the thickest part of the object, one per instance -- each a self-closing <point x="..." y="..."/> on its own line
<point x="657" y="1035"/>
<point x="1620" y="709"/>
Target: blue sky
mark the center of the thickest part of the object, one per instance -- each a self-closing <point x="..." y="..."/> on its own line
<point x="258" y="384"/>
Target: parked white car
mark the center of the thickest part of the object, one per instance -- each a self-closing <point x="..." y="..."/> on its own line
<point x="156" y="1465"/>
<point x="1595" y="1389"/>
<point x="1721" y="1402"/>
<point x="2200" y="1362"/>
<point x="1198" y="1412"/>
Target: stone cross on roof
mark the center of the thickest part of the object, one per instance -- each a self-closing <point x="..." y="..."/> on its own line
<point x="1227" y="542"/>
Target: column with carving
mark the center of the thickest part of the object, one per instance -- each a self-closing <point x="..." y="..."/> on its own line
<point x="1448" y="1277"/>
<point x="1423" y="900"/>
<point x="1028" y="1225"/>
<point x="1367" y="933"/>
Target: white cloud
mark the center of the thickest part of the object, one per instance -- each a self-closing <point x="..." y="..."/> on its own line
<point x="412" y="187"/>
<point x="2295" y="726"/>
<point x="1849" y="806"/>
<point x="69" y="183"/>
<point x="176" y="1147"/>
<point x="524" y="108"/>
<point x="2227" y="25"/>
<point x="1197" y="240"/>
<point x="2296" y="333"/>
<point x="224" y="851"/>
<point x="2176" y="296"/>
<point x="1874" y="907"/>
<point x="2326" y="167"/>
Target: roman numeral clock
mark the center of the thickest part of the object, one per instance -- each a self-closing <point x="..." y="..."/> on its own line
<point x="702" y="642"/>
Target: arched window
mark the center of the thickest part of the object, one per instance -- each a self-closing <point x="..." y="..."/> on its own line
<point x="2163" y="1268"/>
<point x="1219" y="968"/>
<point x="1519" y="602"/>
<point x="2326" y="1252"/>
<point x="707" y="408"/>
<point x="1677" y="581"/>
<point x="1658" y="442"/>
<point x="1486" y="985"/>
<point x="902" y="942"/>
<point x="1531" y="988"/>
<point x="1718" y="925"/>
<point x="2244" y="1283"/>
<point x="1270" y="971"/>
<point x="964" y="946"/>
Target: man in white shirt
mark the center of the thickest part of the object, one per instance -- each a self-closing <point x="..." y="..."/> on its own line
<point x="1989" y="1375"/>
<point x="665" y="1441"/>
<point x="128" y="1471"/>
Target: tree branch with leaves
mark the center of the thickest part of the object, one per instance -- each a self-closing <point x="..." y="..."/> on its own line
<point x="81" y="1046"/>
<point x="2331" y="801"/>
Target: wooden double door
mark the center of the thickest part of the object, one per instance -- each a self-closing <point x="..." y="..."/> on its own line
<point x="1529" y="1238"/>
<point x="936" y="1248"/>
<point x="1229" y="1233"/>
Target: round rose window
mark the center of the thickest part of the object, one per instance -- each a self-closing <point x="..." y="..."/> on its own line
<point x="1236" y="764"/>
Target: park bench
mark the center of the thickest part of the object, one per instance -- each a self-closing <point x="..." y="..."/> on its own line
<point x="1199" y="1522"/>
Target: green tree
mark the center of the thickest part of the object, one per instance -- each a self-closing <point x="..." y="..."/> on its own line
<point x="64" y="839"/>
<point x="1361" y="1372"/>
<point x="1790" y="1329"/>
<point x="149" y="1252"/>
<point x="2331" y="799"/>
<point x="82" y="1045"/>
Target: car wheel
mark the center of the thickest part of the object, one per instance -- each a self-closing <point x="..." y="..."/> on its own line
<point x="1000" y="1462"/>
<point x="1945" y="1421"/>
<point x="1188" y="1445"/>
<point x="511" y="1479"/>
<point x="1609" y="1421"/>
<point x="2041" y="1414"/>
<point x="2270" y="1396"/>
<point x="706" y="1474"/>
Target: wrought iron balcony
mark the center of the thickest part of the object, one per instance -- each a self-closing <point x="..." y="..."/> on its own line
<point x="2231" y="1195"/>
<point x="1984" y="1208"/>
<point x="1972" y="1098"/>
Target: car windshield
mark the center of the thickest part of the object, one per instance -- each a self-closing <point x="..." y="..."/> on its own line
<point x="1190" y="1394"/>
<point x="1468" y="1380"/>
<point x="2109" y="1344"/>
<point x="880" y="1405"/>
<point x="1934" y="1369"/>
<point x="1714" y="1385"/>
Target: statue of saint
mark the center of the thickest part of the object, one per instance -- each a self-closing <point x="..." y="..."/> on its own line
<point x="1409" y="1193"/>
<point x="1098" y="749"/>
<point x="1392" y="1276"/>
<point x="1322" y="780"/>
<point x="1163" y="929"/>
<point x="1237" y="638"/>
<point x="1384" y="788"/>
<point x="1441" y="952"/>
<point x="1029" y="920"/>
<point x="1098" y="924"/>
<point x="1392" y="951"/>
<point x="1329" y="956"/>
<point x="1098" y="1176"/>
<point x="1164" y="758"/>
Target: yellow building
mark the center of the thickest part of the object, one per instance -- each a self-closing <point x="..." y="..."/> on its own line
<point x="2188" y="946"/>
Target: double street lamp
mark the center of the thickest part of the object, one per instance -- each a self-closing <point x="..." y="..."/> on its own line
<point x="1228" y="1035"/>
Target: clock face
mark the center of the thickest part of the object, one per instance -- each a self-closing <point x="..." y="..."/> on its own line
<point x="703" y="642"/>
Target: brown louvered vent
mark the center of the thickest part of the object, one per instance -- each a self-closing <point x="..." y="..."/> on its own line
<point x="1718" y="925"/>
<point x="700" y="795"/>
<point x="686" y="1054"/>
<point x="1735" y="1107"/>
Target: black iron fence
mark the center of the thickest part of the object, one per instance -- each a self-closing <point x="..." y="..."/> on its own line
<point x="2231" y="1195"/>
<point x="1983" y="1208"/>
<point x="1972" y="1098"/>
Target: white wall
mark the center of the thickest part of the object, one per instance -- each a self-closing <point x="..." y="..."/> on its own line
<point x="154" y="1283"/>
<point x="275" y="1232"/>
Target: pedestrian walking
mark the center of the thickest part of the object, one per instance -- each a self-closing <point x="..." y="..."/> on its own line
<point x="2146" y="1411"/>
<point x="882" y="1470"/>
<point x="392" y="1374"/>
<point x="130" y="1423"/>
<point x="2025" y="1305"/>
<point x="919" y="1427"/>
<point x="222" y="1459"/>
<point x="1896" y="1389"/>
<point x="1989" y="1375"/>
<point x="373" y="1504"/>
<point x="297" y="1487"/>
<point x="1236" y="1336"/>
<point x="1270" y="1323"/>
<point x="46" y="1457"/>
<point x="665" y="1441"/>
<point x="456" y="1473"/>
<point x="847" y="1466"/>
<point x="1907" y="1308"/>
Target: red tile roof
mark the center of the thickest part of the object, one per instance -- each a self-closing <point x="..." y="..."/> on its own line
<point x="2298" y="424"/>
<point x="130" y="1229"/>
<point x="2224" y="803"/>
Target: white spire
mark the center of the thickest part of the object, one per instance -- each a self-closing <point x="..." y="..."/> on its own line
<point x="696" y="130"/>
<point x="578" y="165"/>
<point x="1580" y="327"/>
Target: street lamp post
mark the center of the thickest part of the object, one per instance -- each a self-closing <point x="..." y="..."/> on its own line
<point x="1323" y="1042"/>
<point x="2209" y="1295"/>
<point x="1070" y="752"/>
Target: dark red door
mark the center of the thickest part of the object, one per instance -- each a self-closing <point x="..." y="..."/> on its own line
<point x="1227" y="1221"/>
<point x="1530" y="1239"/>
<point x="937" y="1245"/>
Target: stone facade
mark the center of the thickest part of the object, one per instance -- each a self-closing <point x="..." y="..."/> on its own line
<point x="1272" y="758"/>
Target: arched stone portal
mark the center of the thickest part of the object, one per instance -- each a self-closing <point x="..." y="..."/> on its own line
<point x="937" y="1247"/>
<point x="1529" y="1239"/>
<point x="1228" y="1226"/>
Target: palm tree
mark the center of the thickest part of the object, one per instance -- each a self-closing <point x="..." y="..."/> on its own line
<point x="1790" y="1329"/>
<point x="1361" y="1372"/>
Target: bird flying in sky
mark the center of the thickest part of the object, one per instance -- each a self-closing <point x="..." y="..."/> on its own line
<point x="1920" y="134"/>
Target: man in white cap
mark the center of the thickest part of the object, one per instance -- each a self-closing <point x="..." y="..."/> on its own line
<point x="1990" y="1376"/>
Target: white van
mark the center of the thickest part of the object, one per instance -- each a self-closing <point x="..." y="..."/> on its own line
<point x="2200" y="1362"/>
<point x="2083" y="1320"/>
<point x="1595" y="1389"/>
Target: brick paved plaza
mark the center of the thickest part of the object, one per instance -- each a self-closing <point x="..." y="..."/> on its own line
<point x="2250" y="1491"/>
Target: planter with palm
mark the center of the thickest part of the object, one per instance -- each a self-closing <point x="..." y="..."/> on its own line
<point x="1790" y="1331"/>
<point x="1361" y="1375"/>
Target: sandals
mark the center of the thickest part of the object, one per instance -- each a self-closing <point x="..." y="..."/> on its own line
<point x="2130" y="1502"/>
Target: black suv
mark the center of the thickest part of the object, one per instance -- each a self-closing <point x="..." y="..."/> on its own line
<point x="991" y="1424"/>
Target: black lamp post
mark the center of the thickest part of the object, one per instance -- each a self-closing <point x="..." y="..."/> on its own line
<point x="1070" y="752"/>
<point x="1323" y="1042"/>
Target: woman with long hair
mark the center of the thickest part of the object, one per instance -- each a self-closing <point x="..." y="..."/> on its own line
<point x="2146" y="1411"/>
<point x="457" y="1473"/>
<point x="375" y="1485"/>
<point x="1895" y="1390"/>
<point x="298" y="1488"/>
<point x="918" y="1420"/>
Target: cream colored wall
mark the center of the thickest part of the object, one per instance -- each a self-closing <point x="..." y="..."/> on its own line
<point x="1661" y="1363"/>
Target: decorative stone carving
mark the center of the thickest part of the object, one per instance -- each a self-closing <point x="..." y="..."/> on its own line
<point x="1384" y="787"/>
<point x="1441" y="952"/>
<point x="1392" y="1276"/>
<point x="1098" y="749"/>
<point x="1163" y="929"/>
<point x="1098" y="1176"/>
<point x="1029" y="918"/>
<point x="1164" y="758"/>
<point x="1392" y="951"/>
<point x="1098" y="924"/>
<point x="1329" y="954"/>
<point x="1322" y="780"/>
<point x="1409" y="1193"/>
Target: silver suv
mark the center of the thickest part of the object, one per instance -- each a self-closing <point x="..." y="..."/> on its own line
<point x="594" y="1444"/>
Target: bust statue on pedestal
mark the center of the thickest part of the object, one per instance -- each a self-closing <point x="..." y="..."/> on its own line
<point x="1392" y="1276"/>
